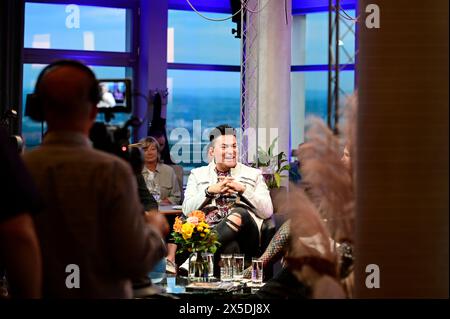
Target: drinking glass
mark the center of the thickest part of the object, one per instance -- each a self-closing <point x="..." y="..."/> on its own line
<point x="226" y="267"/>
<point x="257" y="271"/>
<point x="209" y="257"/>
<point x="238" y="266"/>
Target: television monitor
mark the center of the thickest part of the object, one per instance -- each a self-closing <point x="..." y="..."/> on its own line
<point x="115" y="95"/>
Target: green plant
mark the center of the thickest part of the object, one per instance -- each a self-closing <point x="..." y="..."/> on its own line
<point x="272" y="165"/>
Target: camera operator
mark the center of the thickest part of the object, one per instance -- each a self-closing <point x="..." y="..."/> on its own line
<point x="114" y="140"/>
<point x="93" y="218"/>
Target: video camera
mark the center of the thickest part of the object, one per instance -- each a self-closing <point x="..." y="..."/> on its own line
<point x="115" y="140"/>
<point x="116" y="97"/>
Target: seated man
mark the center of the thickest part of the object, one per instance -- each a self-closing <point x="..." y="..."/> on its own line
<point x="234" y="197"/>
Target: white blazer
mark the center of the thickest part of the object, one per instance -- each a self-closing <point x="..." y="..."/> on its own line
<point x="256" y="189"/>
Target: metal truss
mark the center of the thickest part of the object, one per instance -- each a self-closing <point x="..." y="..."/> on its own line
<point x="249" y="76"/>
<point x="337" y="18"/>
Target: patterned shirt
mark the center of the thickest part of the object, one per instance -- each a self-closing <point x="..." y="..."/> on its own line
<point x="223" y="204"/>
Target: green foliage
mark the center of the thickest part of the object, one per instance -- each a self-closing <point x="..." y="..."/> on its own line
<point x="272" y="165"/>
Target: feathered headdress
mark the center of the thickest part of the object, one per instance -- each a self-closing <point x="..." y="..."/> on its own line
<point x="322" y="209"/>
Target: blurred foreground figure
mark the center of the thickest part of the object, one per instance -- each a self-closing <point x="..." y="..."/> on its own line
<point x="92" y="230"/>
<point x="317" y="241"/>
<point x="19" y="247"/>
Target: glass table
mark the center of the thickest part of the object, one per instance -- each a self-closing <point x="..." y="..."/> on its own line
<point x="178" y="287"/>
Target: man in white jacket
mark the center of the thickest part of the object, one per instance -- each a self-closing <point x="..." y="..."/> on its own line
<point x="234" y="196"/>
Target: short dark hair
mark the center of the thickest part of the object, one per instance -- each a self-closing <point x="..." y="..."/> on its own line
<point x="223" y="129"/>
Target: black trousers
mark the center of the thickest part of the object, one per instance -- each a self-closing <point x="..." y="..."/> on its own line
<point x="246" y="240"/>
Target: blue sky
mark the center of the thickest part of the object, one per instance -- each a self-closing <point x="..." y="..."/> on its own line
<point x="196" y="40"/>
<point x="107" y="24"/>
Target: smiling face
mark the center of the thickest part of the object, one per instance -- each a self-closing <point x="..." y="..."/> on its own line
<point x="151" y="154"/>
<point x="225" y="152"/>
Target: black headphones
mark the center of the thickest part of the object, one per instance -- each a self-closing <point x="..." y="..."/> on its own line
<point x="33" y="106"/>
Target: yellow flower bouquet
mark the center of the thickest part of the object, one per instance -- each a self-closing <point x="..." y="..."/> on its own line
<point x="194" y="234"/>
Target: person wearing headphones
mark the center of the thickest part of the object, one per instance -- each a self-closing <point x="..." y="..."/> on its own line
<point x="92" y="230"/>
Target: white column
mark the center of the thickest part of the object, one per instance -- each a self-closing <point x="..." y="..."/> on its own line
<point x="273" y="61"/>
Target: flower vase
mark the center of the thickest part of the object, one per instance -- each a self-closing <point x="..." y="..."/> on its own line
<point x="198" y="267"/>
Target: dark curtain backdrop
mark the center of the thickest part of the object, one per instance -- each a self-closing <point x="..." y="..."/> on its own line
<point x="11" y="41"/>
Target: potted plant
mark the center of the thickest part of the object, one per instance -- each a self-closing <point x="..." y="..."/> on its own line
<point x="272" y="167"/>
<point x="195" y="235"/>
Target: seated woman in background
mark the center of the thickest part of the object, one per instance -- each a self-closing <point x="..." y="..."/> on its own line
<point x="160" y="178"/>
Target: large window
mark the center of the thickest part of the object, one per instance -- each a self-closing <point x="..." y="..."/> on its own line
<point x="73" y="27"/>
<point x="193" y="39"/>
<point x="212" y="97"/>
<point x="316" y="40"/>
<point x="309" y="79"/>
<point x="203" y="81"/>
<point x="315" y="90"/>
<point x="199" y="101"/>
<point x="32" y="131"/>
<point x="101" y="37"/>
